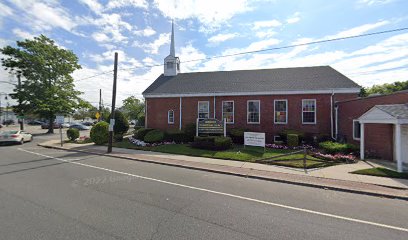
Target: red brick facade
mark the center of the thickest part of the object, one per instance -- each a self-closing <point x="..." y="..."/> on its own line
<point x="379" y="137"/>
<point x="157" y="109"/>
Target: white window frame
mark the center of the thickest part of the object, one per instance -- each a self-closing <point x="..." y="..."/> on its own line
<point x="355" y="138"/>
<point x="198" y="108"/>
<point x="259" y="120"/>
<point x="315" y="111"/>
<point x="274" y="111"/>
<point x="233" y="111"/>
<point x="168" y="116"/>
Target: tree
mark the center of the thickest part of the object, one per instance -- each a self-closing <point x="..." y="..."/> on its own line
<point x="48" y="88"/>
<point x="85" y="110"/>
<point x="133" y="108"/>
<point x="388" y="88"/>
<point x="121" y="123"/>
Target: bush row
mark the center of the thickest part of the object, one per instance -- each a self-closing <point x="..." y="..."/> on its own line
<point x="184" y="136"/>
<point x="212" y="143"/>
<point x="335" y="147"/>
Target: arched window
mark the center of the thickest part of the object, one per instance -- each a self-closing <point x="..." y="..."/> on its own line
<point x="170" y="117"/>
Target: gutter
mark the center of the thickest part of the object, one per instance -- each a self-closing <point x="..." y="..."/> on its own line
<point x="331" y="116"/>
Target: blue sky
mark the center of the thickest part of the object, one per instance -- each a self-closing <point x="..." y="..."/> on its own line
<point x="139" y="30"/>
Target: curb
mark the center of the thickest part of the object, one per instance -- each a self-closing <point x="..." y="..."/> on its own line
<point x="320" y="186"/>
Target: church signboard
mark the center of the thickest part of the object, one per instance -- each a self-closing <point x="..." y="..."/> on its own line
<point x="210" y="126"/>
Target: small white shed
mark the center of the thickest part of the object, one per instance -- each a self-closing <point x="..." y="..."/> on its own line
<point x="396" y="114"/>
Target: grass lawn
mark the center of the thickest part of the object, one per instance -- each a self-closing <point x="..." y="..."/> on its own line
<point x="238" y="153"/>
<point x="381" y="172"/>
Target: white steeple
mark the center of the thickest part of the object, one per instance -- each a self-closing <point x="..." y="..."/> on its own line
<point x="171" y="62"/>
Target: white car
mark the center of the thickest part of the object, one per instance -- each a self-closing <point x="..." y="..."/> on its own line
<point x="15" y="137"/>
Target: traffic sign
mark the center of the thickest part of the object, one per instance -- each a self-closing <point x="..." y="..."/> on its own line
<point x="59" y="119"/>
<point x="97" y="115"/>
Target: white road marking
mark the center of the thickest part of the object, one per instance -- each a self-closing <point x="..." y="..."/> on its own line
<point x="228" y="194"/>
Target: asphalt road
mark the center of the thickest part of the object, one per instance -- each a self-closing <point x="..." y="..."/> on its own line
<point x="52" y="194"/>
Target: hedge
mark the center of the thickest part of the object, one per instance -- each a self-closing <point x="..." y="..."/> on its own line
<point x="284" y="135"/>
<point x="237" y="135"/>
<point x="335" y="147"/>
<point x="176" y="136"/>
<point x="293" y="140"/>
<point x="190" y="131"/>
<point x="212" y="143"/>
<point x="72" y="134"/>
<point x="100" y="133"/>
<point x="154" y="136"/>
<point x="141" y="133"/>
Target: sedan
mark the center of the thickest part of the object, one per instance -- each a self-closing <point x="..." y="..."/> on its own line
<point x="35" y="122"/>
<point x="15" y="137"/>
<point x="79" y="126"/>
<point x="46" y="126"/>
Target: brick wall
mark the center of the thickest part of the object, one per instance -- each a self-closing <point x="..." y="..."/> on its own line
<point x="157" y="112"/>
<point x="379" y="141"/>
<point x="353" y="109"/>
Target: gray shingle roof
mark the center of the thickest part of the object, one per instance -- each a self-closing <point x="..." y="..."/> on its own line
<point x="251" y="81"/>
<point x="399" y="111"/>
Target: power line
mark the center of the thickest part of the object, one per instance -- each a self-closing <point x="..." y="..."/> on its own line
<point x="102" y="73"/>
<point x="263" y="50"/>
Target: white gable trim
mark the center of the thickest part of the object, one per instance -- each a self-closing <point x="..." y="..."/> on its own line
<point x="288" y="92"/>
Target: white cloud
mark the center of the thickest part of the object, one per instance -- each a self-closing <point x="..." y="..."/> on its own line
<point x="94" y="5"/>
<point x="359" y="30"/>
<point x="22" y="34"/>
<point x="222" y="37"/>
<point x="5" y="10"/>
<point x="210" y="13"/>
<point x="126" y="3"/>
<point x="266" y="24"/>
<point x="265" y="34"/>
<point x="153" y="47"/>
<point x="147" y="32"/>
<point x="374" y="2"/>
<point x="100" y="37"/>
<point x="294" y="18"/>
<point x="45" y="15"/>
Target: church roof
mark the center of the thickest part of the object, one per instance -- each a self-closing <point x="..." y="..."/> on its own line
<point x="319" y="79"/>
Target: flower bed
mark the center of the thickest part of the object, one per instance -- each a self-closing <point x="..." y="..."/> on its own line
<point x="141" y="143"/>
<point x="285" y="147"/>
<point x="348" y="158"/>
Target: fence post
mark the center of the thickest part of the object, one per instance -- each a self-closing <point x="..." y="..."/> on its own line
<point x="304" y="158"/>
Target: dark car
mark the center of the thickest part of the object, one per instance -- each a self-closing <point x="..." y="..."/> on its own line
<point x="87" y="123"/>
<point x="35" y="122"/>
<point x="79" y="126"/>
<point x="8" y="122"/>
<point x="46" y="125"/>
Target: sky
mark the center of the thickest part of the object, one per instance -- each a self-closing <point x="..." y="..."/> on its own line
<point x="139" y="30"/>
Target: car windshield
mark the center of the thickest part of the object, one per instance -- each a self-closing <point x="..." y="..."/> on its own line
<point x="8" y="132"/>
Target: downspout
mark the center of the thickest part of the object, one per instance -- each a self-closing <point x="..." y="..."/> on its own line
<point x="331" y="116"/>
<point x="180" y="115"/>
<point x="336" y="114"/>
<point x="145" y="112"/>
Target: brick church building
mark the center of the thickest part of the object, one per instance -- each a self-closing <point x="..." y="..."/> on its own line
<point x="307" y="99"/>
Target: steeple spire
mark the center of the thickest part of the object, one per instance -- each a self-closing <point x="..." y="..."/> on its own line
<point x="172" y="48"/>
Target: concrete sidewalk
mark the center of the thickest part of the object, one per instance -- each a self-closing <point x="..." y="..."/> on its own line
<point x="335" y="177"/>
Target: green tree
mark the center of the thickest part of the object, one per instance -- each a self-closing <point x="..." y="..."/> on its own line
<point x="121" y="123"/>
<point x="85" y="110"/>
<point x="48" y="88"/>
<point x="133" y="108"/>
<point x="388" y="88"/>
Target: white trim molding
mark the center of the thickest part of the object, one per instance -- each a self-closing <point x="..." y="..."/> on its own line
<point x="226" y="94"/>
<point x="315" y="111"/>
<point x="354" y="129"/>
<point x="286" y="111"/>
<point x="233" y="111"/>
<point x="168" y="116"/>
<point x="259" y="114"/>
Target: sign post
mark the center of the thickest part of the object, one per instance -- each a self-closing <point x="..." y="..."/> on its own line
<point x="59" y="119"/>
<point x="254" y="139"/>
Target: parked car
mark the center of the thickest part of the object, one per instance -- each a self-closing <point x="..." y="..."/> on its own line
<point x="46" y="125"/>
<point x="35" y="122"/>
<point x="79" y="126"/>
<point x="1" y="125"/>
<point x="8" y="122"/>
<point x="15" y="137"/>
<point x="87" y="123"/>
<point x="66" y="125"/>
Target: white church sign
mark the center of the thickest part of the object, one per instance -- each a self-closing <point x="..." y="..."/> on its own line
<point x="254" y="139"/>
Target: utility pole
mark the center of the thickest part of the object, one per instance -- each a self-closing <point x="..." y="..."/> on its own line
<point x="100" y="105"/>
<point x="112" y="119"/>
<point x="19" y="103"/>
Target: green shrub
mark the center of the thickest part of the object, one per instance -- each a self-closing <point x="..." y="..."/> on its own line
<point x="121" y="123"/>
<point x="137" y="127"/>
<point x="141" y="121"/>
<point x="175" y="136"/>
<point x="154" y="136"/>
<point x="212" y="143"/>
<point x="141" y="133"/>
<point x="284" y="135"/>
<point x="293" y="140"/>
<point x="118" y="137"/>
<point x="222" y="143"/>
<point x="100" y="133"/>
<point x="335" y="147"/>
<point x="190" y="131"/>
<point x="237" y="135"/>
<point x="72" y="134"/>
